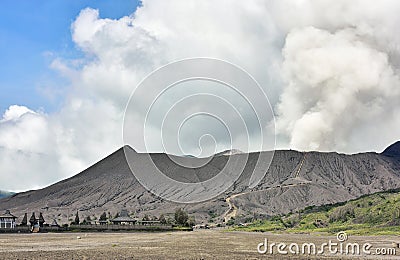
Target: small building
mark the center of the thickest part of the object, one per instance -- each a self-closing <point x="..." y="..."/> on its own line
<point x="103" y="222"/>
<point x="123" y="219"/>
<point x="7" y="220"/>
<point x="149" y="222"/>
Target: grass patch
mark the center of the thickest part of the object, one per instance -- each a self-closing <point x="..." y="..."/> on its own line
<point x="376" y="214"/>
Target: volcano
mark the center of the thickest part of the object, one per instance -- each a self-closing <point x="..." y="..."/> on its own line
<point x="293" y="181"/>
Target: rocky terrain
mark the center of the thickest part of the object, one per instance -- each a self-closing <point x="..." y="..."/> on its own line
<point x="293" y="181"/>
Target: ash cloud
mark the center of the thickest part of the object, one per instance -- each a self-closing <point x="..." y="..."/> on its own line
<point x="339" y="87"/>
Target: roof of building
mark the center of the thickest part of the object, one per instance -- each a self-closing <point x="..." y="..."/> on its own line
<point x="7" y="214"/>
<point x="123" y="217"/>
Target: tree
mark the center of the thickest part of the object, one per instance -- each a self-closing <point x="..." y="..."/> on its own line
<point x="32" y="220"/>
<point x="170" y="221"/>
<point x="162" y="219"/>
<point x="41" y="220"/>
<point x="230" y="222"/>
<point x="76" y="222"/>
<point x="25" y="220"/>
<point x="191" y="221"/>
<point x="181" y="217"/>
<point x="146" y="218"/>
<point x="103" y="217"/>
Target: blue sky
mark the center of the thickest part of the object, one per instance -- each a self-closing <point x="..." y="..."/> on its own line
<point x="29" y="31"/>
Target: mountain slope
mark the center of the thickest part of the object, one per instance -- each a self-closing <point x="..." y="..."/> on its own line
<point x="332" y="178"/>
<point x="295" y="180"/>
<point x="374" y="214"/>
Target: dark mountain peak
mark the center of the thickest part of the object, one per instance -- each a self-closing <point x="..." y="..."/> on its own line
<point x="393" y="150"/>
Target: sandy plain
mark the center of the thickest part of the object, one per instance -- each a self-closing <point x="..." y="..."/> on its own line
<point x="200" y="244"/>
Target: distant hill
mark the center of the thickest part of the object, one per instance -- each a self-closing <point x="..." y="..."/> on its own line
<point x="294" y="181"/>
<point x="374" y="214"/>
<point x="4" y="194"/>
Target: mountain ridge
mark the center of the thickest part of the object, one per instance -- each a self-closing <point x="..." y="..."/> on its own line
<point x="293" y="181"/>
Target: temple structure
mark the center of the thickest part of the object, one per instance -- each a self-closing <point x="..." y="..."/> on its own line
<point x="123" y="219"/>
<point x="7" y="220"/>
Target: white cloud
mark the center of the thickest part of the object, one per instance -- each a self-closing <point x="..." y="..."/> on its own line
<point x="37" y="149"/>
<point x="330" y="68"/>
<point x="14" y="112"/>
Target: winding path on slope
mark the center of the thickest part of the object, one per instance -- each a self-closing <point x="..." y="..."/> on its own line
<point x="233" y="209"/>
<point x="301" y="165"/>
